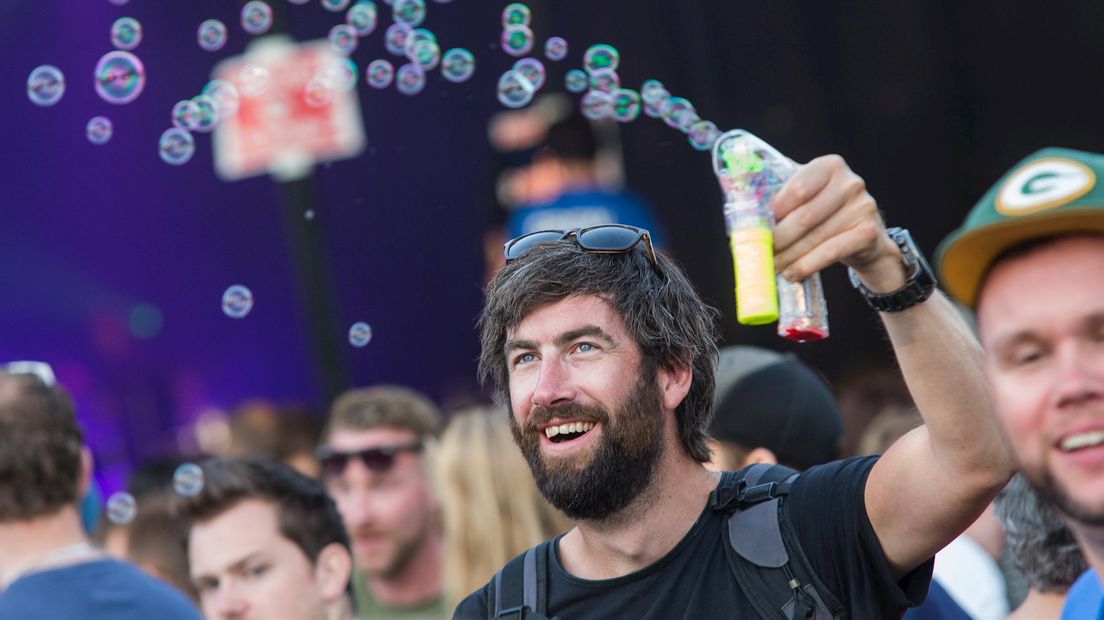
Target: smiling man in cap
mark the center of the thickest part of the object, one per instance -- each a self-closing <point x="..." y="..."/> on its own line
<point x="1030" y="260"/>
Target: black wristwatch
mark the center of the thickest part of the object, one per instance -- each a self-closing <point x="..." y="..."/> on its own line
<point x="918" y="287"/>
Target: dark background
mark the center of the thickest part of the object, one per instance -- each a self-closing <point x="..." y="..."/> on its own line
<point x="929" y="101"/>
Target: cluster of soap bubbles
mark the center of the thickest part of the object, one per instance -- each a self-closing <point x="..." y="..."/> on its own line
<point x="217" y="101"/>
<point x="237" y="301"/>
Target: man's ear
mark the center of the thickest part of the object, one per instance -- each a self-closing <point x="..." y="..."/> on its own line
<point x="332" y="571"/>
<point x="674" y="383"/>
<point x="760" y="455"/>
<point x="85" y="479"/>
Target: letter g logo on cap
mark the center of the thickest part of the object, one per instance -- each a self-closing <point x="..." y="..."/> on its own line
<point x="1044" y="184"/>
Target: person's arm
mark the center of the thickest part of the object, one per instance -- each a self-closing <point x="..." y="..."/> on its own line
<point x="932" y="483"/>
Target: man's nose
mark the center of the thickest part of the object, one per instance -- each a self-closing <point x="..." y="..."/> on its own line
<point x="554" y="384"/>
<point x="230" y="604"/>
<point x="1081" y="376"/>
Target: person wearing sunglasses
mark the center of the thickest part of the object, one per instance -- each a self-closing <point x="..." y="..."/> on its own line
<point x="48" y="567"/>
<point x="605" y="354"/>
<point x="373" y="465"/>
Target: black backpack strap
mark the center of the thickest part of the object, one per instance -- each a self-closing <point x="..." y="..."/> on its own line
<point x="778" y="584"/>
<point x="519" y="589"/>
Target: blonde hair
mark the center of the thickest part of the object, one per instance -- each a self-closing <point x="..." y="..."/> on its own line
<point x="492" y="510"/>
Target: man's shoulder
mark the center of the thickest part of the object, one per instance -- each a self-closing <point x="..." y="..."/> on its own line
<point x="474" y="605"/>
<point x="134" y="594"/>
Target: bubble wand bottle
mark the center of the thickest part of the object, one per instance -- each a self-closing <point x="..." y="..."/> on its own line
<point x="750" y="172"/>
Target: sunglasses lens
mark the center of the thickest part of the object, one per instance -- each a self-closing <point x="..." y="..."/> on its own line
<point x="377" y="460"/>
<point x="524" y="243"/>
<point x="609" y="238"/>
<point x="334" y="464"/>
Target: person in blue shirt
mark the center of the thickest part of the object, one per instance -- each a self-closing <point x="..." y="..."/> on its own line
<point x="48" y="567"/>
<point x="1029" y="259"/>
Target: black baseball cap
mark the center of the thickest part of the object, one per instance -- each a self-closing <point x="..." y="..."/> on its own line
<point x="773" y="400"/>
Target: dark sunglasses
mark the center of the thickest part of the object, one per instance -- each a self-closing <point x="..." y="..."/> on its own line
<point x="601" y="239"/>
<point x="378" y="460"/>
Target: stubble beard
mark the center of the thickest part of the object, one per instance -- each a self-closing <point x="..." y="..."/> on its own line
<point x="1052" y="491"/>
<point x="597" y="485"/>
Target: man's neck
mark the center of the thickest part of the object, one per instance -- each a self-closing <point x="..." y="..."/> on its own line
<point x="24" y="544"/>
<point x="645" y="530"/>
<point x="1039" y="605"/>
<point x="416" y="583"/>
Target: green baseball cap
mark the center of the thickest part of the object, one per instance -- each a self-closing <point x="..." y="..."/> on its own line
<point x="1051" y="192"/>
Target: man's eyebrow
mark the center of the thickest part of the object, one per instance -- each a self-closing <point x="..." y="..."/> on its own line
<point x="592" y="331"/>
<point x="519" y="344"/>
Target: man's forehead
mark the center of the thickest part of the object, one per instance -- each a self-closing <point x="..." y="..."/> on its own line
<point x="350" y="439"/>
<point x="246" y="529"/>
<point x="568" y="314"/>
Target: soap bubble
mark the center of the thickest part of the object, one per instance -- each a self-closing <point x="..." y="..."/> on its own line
<point x="119" y="77"/>
<point x="335" y="5"/>
<point x="596" y="105"/>
<point x="237" y="301"/>
<point x="379" y="73"/>
<point x="425" y="52"/>
<point x="679" y="114"/>
<point x="126" y="33"/>
<point x="256" y="17"/>
<point x="575" y="81"/>
<point x="98" y="130"/>
<point x="517" y="40"/>
<point x="409" y="12"/>
<point x="533" y="70"/>
<point x="342" y="73"/>
<point x="45" y="85"/>
<point x="319" y="91"/>
<point x="208" y="113"/>
<point x="515" y="14"/>
<point x="394" y="38"/>
<point x="185" y="114"/>
<point x="652" y="89"/>
<point x="410" y="79"/>
<point x="605" y="80"/>
<point x="655" y="98"/>
<point x="457" y="65"/>
<point x="254" y="80"/>
<point x="343" y="39"/>
<point x="362" y="17"/>
<point x="703" y="134"/>
<point x="555" y="48"/>
<point x="225" y="95"/>
<point x="121" y="508"/>
<point x="514" y="90"/>
<point x="176" y="146"/>
<point x="625" y="105"/>
<point x="211" y="35"/>
<point x="601" y="56"/>
<point x="360" y="334"/>
<point x="188" y="479"/>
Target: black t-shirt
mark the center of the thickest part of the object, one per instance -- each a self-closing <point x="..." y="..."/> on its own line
<point x="693" y="581"/>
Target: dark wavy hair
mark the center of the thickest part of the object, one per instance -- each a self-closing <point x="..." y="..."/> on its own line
<point x="306" y="514"/>
<point x="662" y="311"/>
<point x="40" y="448"/>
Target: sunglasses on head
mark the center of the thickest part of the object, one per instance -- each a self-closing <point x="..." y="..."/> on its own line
<point x="379" y="460"/>
<point x="601" y="239"/>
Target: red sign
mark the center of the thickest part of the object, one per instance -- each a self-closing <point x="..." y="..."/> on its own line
<point x="282" y="126"/>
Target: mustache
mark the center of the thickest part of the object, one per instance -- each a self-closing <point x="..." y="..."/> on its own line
<point x="540" y="415"/>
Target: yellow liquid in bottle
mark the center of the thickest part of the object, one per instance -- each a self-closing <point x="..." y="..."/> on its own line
<point x="753" y="258"/>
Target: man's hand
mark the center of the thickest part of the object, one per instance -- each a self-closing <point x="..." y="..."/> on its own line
<point x="825" y="216"/>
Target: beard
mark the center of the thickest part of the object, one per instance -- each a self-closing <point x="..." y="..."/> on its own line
<point x="596" y="486"/>
<point x="1052" y="491"/>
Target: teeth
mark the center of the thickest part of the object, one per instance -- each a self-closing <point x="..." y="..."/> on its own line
<point x="1082" y="440"/>
<point x="570" y="427"/>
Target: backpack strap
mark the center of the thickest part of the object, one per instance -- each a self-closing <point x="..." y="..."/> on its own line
<point x="519" y="589"/>
<point x="777" y="584"/>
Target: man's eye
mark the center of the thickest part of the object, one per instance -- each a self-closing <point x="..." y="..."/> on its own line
<point x="585" y="347"/>
<point x="256" y="571"/>
<point x="206" y="585"/>
<point x="1024" y="357"/>
<point x="524" y="358"/>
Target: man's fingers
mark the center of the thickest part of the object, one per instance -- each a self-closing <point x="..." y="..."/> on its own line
<point x="855" y="240"/>
<point x="820" y="217"/>
<point x="806" y="183"/>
